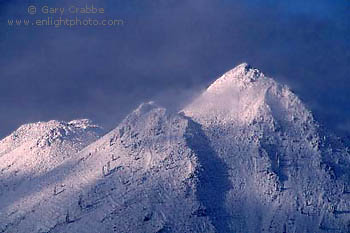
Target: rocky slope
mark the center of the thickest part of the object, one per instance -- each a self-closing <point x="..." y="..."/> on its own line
<point x="245" y="156"/>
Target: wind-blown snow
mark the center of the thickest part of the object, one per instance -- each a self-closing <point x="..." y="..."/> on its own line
<point x="245" y="156"/>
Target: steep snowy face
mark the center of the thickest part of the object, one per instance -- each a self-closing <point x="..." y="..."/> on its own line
<point x="34" y="149"/>
<point x="279" y="172"/>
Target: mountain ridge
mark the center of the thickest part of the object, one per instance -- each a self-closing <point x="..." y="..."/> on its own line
<point x="245" y="156"/>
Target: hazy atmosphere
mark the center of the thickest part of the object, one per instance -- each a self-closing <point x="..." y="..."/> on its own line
<point x="168" y="51"/>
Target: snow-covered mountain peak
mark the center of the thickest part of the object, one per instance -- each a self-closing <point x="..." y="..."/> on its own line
<point x="27" y="132"/>
<point x="130" y="180"/>
<point x="241" y="75"/>
<point x="244" y="95"/>
<point x="245" y="156"/>
<point x="39" y="147"/>
<point x="50" y="131"/>
<point x="273" y="146"/>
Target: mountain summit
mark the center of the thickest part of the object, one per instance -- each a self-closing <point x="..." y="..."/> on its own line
<point x="245" y="156"/>
<point x="243" y="95"/>
<point x="242" y="74"/>
<point x="277" y="162"/>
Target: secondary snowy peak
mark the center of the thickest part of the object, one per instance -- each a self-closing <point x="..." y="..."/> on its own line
<point x="44" y="133"/>
<point x="143" y="176"/>
<point x="37" y="148"/>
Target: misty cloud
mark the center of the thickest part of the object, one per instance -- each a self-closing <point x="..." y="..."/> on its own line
<point x="168" y="52"/>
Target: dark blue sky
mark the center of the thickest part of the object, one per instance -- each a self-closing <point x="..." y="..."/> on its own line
<point x="169" y="50"/>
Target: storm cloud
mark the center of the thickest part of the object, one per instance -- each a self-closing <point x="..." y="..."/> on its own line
<point x="169" y="51"/>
